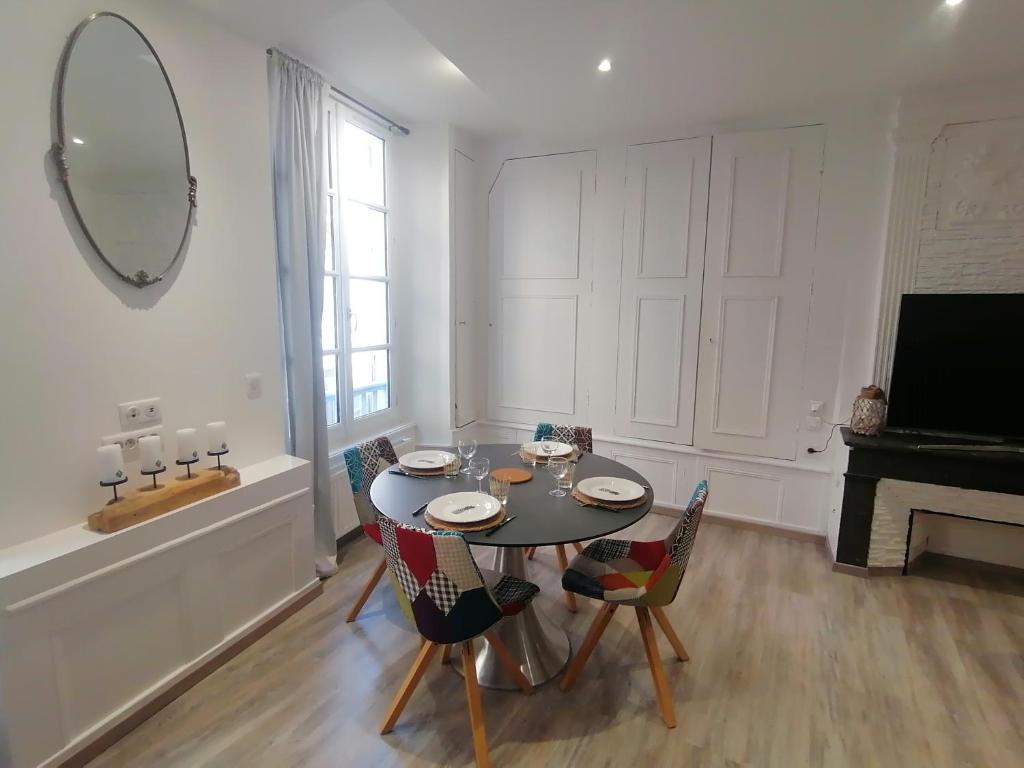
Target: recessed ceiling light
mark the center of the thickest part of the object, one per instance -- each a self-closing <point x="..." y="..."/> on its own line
<point x="953" y="3"/>
<point x="76" y="140"/>
<point x="605" y="65"/>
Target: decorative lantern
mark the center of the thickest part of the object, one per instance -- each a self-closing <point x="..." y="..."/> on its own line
<point x="868" y="416"/>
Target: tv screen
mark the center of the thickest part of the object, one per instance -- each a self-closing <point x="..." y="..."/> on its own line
<point x="959" y="365"/>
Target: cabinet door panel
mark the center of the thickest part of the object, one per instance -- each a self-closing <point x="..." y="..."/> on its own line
<point x="662" y="267"/>
<point x="762" y="224"/>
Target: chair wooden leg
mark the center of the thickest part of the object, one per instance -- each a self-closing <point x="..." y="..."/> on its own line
<point x="597" y="629"/>
<point x="578" y="547"/>
<point x="365" y="594"/>
<point x="530" y="552"/>
<point x="412" y="679"/>
<point x="446" y="655"/>
<point x="668" y="714"/>
<point x="508" y="661"/>
<point x="476" y="710"/>
<point x="670" y="633"/>
<point x="563" y="563"/>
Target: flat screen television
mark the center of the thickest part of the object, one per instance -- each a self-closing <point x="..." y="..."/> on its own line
<point x="958" y="368"/>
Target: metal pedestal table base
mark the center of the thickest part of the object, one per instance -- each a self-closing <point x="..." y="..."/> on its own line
<point x="542" y="648"/>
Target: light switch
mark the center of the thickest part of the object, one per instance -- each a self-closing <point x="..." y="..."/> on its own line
<point x="254" y="386"/>
<point x="815" y="406"/>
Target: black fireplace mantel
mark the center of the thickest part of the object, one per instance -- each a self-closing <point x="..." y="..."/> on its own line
<point x="898" y="456"/>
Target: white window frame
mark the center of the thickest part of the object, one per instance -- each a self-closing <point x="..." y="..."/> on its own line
<point x="350" y="428"/>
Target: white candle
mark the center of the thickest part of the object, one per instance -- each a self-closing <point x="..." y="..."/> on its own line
<point x="188" y="444"/>
<point x="111" y="463"/>
<point x="217" y="434"/>
<point x="151" y="453"/>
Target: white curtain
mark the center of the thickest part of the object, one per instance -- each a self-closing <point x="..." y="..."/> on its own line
<point x="297" y="126"/>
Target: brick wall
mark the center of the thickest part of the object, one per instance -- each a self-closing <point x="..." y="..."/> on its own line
<point x="979" y="258"/>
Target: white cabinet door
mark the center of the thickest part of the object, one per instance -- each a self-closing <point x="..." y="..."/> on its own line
<point x="541" y="225"/>
<point x="762" y="223"/>
<point x="468" y="372"/>
<point x="662" y="269"/>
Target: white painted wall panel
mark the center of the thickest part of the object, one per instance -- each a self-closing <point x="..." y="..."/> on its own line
<point x="762" y="229"/>
<point x="537" y="369"/>
<point x="745" y="494"/>
<point x="660" y="297"/>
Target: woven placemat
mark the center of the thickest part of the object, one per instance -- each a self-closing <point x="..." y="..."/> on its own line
<point x="441" y="525"/>
<point x="531" y="458"/>
<point x="513" y="474"/>
<point x="589" y="501"/>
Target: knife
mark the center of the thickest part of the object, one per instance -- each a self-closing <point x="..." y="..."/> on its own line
<point x="420" y="510"/>
<point x="500" y="525"/>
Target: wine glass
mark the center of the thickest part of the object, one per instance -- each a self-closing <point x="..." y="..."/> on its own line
<point x="557" y="466"/>
<point x="467" y="450"/>
<point x="479" y="468"/>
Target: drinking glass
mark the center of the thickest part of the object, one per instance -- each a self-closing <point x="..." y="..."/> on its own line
<point x="565" y="481"/>
<point x="558" y="467"/>
<point x="467" y="450"/>
<point x="548" y="447"/>
<point x="479" y="468"/>
<point x="451" y="469"/>
<point x="528" y="453"/>
<point x="500" y="489"/>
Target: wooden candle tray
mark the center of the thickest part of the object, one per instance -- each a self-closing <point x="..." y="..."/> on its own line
<point x="146" y="502"/>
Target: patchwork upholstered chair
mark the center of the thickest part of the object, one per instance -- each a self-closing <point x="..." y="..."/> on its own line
<point x="583" y="437"/>
<point x="451" y="601"/>
<point x="642" y="574"/>
<point x="364" y="462"/>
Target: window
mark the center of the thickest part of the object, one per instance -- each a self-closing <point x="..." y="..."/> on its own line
<point x="356" y="323"/>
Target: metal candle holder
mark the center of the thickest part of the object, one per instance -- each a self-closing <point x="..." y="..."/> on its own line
<point x="154" y="472"/>
<point x="113" y="484"/>
<point x="187" y="465"/>
<point x="218" y="454"/>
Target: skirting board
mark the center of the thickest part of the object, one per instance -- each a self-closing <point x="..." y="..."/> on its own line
<point x="774" y="529"/>
<point x="80" y="754"/>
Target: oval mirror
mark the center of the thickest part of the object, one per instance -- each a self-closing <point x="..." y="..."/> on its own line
<point x="121" y="149"/>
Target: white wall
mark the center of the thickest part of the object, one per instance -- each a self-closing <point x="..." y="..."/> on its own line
<point x="844" y="303"/>
<point x="75" y="340"/>
<point x="421" y="237"/>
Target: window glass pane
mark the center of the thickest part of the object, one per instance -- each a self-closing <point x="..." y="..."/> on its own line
<point x="331" y="387"/>
<point x="362" y="165"/>
<point x="329" y="240"/>
<point x="371" y="390"/>
<point x="330" y="149"/>
<point x="365" y="240"/>
<point x="369" y="312"/>
<point x="328" y="320"/>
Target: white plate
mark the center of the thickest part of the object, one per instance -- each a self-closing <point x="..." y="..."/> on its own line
<point x="426" y="459"/>
<point x="560" y="449"/>
<point x="465" y="507"/>
<point x="611" y="489"/>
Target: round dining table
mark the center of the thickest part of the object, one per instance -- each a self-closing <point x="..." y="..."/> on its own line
<point x="539" y="520"/>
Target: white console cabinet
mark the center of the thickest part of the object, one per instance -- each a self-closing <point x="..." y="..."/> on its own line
<point x="95" y="627"/>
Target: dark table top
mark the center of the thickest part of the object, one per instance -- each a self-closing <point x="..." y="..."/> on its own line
<point x="540" y="518"/>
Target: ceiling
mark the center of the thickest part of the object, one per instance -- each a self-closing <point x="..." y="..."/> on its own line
<point x="495" y="66"/>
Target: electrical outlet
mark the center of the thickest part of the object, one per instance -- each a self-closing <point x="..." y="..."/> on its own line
<point x="813" y="423"/>
<point x="139" y="412"/>
<point x="129" y="441"/>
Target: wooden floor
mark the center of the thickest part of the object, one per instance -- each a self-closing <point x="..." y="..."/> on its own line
<point x="791" y="665"/>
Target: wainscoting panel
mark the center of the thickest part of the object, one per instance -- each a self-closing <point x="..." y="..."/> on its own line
<point x="662" y="473"/>
<point x="745" y="494"/>
<point x="541" y="222"/>
<point x="662" y="268"/>
<point x="762" y="226"/>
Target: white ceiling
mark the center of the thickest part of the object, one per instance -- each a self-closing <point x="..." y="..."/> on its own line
<point x="530" y="65"/>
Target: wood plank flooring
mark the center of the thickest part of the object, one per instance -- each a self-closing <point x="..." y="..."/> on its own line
<point x="791" y="665"/>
